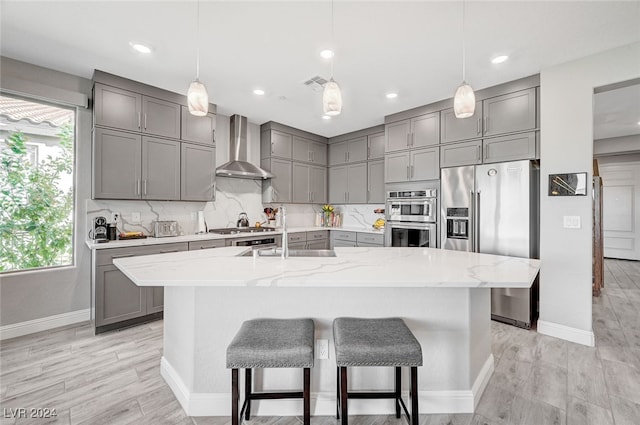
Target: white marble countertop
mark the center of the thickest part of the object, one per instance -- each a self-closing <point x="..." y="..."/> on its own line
<point x="352" y="267"/>
<point x="208" y="236"/>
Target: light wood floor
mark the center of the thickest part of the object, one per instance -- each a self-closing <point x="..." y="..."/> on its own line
<point x="114" y="378"/>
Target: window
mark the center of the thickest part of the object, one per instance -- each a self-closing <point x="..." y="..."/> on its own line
<point x="37" y="146"/>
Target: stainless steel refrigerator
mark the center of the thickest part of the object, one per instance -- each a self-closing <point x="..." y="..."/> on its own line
<point x="494" y="209"/>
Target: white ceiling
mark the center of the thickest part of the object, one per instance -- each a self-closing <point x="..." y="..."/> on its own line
<point x="617" y="113"/>
<point x="413" y="48"/>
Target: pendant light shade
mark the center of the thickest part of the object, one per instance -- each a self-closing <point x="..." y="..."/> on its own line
<point x="198" y="99"/>
<point x="331" y="98"/>
<point x="464" y="102"/>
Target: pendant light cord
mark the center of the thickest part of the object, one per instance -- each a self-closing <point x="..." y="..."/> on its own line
<point x="464" y="50"/>
<point x="333" y="40"/>
<point x="198" y="40"/>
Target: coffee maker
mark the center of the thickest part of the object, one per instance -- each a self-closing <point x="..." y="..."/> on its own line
<point x="100" y="229"/>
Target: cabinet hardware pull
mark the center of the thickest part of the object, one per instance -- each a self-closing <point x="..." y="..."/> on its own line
<point x="413" y="138"/>
<point x="145" y="120"/>
<point x="486" y="125"/>
<point x="478" y="153"/>
<point x="486" y="152"/>
<point x="137" y="186"/>
<point x="272" y="148"/>
<point x="145" y="187"/>
<point x="348" y="155"/>
<point x="478" y="126"/>
<point x="368" y="152"/>
<point x="408" y="172"/>
<point x="139" y="119"/>
<point x="168" y="251"/>
<point x="345" y="157"/>
<point x="123" y="256"/>
<point x="412" y="171"/>
<point x="408" y="142"/>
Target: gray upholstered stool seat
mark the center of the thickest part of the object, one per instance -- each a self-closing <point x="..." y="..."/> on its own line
<point x="376" y="342"/>
<point x="271" y="343"/>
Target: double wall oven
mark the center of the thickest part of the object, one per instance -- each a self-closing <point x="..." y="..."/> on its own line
<point x="412" y="217"/>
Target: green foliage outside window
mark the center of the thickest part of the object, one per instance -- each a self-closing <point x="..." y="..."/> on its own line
<point x="36" y="216"/>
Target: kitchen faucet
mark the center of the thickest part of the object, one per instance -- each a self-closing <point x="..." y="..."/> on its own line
<point x="285" y="238"/>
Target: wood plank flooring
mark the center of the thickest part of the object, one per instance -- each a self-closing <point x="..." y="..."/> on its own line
<point x="114" y="378"/>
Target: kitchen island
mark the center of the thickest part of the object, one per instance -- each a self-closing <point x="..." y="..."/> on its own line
<point x="443" y="296"/>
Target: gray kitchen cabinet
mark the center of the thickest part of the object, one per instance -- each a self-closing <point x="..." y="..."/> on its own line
<point x="309" y="151"/>
<point x="197" y="172"/>
<point x="467" y="153"/>
<point x="127" y="110"/>
<point x="317" y="235"/>
<point x="417" y="132"/>
<point x="117" y="160"/>
<point x="341" y="238"/>
<point x="318" y="184"/>
<point x="197" y="129"/>
<point x="425" y="164"/>
<point x="454" y="129"/>
<point x="296" y="237"/>
<point x="160" y="169"/>
<point x="155" y="299"/>
<point x="375" y="182"/>
<point x="279" y="187"/>
<point x="317" y="244"/>
<point x="348" y="184"/>
<point x="276" y="143"/>
<point x="298" y="245"/>
<point x="309" y="183"/>
<point x="510" y="113"/>
<point x="509" y="148"/>
<point x="349" y="151"/>
<point x="207" y="244"/>
<point x="369" y="239"/>
<point x="396" y="167"/>
<point x="375" y="146"/>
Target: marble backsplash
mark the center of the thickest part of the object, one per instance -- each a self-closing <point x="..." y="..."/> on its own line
<point x="233" y="196"/>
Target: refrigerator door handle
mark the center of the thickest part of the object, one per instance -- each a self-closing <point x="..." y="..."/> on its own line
<point x="472" y="220"/>
<point x="477" y="224"/>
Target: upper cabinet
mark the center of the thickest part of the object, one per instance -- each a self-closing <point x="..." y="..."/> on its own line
<point x="198" y="173"/>
<point x="349" y="151"/>
<point x="126" y="110"/>
<point x="276" y="143"/>
<point x="198" y="129"/>
<point x="455" y="129"/>
<point x="306" y="150"/>
<point x="413" y="133"/>
<point x="509" y="113"/>
<point x="375" y="146"/>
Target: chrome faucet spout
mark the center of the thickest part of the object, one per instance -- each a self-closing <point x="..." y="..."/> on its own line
<point x="285" y="238"/>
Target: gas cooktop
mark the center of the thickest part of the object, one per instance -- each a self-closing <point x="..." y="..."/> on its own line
<point x="238" y="230"/>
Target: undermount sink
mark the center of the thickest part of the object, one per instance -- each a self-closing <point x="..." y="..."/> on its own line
<point x="277" y="252"/>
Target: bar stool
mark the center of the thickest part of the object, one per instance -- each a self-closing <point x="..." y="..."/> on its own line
<point x="270" y="343"/>
<point x="376" y="342"/>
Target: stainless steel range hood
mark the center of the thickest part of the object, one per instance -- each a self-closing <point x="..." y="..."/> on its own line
<point x="238" y="166"/>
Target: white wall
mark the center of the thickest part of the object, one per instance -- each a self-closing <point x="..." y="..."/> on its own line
<point x="567" y="146"/>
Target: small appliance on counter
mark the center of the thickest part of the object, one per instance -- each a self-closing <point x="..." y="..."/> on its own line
<point x="243" y="220"/>
<point x="162" y="229"/>
<point x="100" y="229"/>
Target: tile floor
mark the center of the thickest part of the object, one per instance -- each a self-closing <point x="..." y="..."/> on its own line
<point x="114" y="378"/>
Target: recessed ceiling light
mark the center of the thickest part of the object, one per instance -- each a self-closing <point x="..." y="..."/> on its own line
<point x="499" y="59"/>
<point x="392" y="95"/>
<point x="140" y="48"/>
<point x="327" y="54"/>
<point x="638" y="122"/>
<point x="326" y="117"/>
<point x="258" y="92"/>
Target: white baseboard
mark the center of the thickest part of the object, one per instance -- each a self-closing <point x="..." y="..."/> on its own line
<point x="44" y="324"/>
<point x="324" y="403"/>
<point x="556" y="330"/>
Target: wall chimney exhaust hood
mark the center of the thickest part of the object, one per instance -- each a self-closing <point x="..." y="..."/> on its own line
<point x="238" y="166"/>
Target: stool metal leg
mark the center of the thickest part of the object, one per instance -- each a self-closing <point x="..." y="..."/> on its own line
<point x="344" y="396"/>
<point x="398" y="381"/>
<point x="307" y="396"/>
<point x="414" y="396"/>
<point x="247" y="393"/>
<point x="338" y="392"/>
<point x="234" y="396"/>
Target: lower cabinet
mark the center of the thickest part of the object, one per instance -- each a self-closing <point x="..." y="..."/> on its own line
<point x="344" y="238"/>
<point x="117" y="299"/>
<point x="317" y="239"/>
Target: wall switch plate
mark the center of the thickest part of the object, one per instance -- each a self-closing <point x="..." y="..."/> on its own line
<point x="571" y="221"/>
<point x="115" y="216"/>
<point x="135" y="218"/>
<point x="322" y="349"/>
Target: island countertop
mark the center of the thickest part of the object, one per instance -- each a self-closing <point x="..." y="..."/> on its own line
<point x="351" y="267"/>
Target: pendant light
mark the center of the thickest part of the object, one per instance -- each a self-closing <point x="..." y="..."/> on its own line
<point x="464" y="101"/>
<point x="332" y="96"/>
<point x="197" y="96"/>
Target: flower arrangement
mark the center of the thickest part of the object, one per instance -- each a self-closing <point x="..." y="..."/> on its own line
<point x="327" y="209"/>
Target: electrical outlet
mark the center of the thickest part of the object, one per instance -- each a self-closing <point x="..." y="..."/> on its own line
<point x="115" y="217"/>
<point x="571" y="221"/>
<point x="135" y="218"/>
<point x="322" y="349"/>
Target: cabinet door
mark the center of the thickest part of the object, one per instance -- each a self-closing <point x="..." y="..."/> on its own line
<point x="160" y="169"/>
<point x="318" y="153"/>
<point x="468" y="153"/>
<point x="116" y="164"/>
<point x="277" y="188"/>
<point x="357" y="184"/>
<point x="197" y="173"/>
<point x="397" y="136"/>
<point x="321" y="244"/>
<point x="453" y="129"/>
<point x="338" y="153"/>
<point x="510" y="112"/>
<point x="337" y="185"/>
<point x="396" y="167"/>
<point x="318" y="184"/>
<point x="117" y="108"/>
<point x="339" y="244"/>
<point x="208" y="244"/>
<point x="155" y="299"/>
<point x="357" y="150"/>
<point x="376" y="146"/>
<point x="425" y="130"/>
<point x="298" y="245"/>
<point x="281" y="144"/>
<point x="425" y="164"/>
<point x="301" y="193"/>
<point x="197" y="129"/>
<point x="300" y="150"/>
<point x="375" y="178"/>
<point x="117" y="297"/>
<point x="509" y="148"/>
<point x="160" y="118"/>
